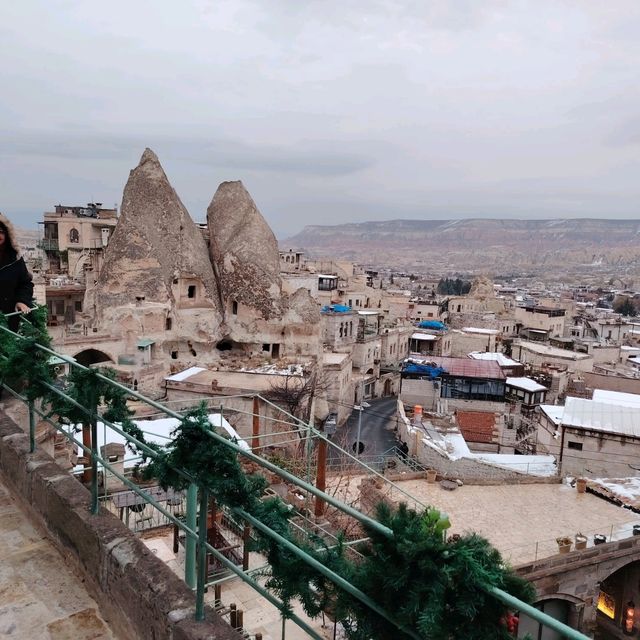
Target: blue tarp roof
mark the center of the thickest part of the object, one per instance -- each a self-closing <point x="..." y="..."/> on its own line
<point x="424" y="370"/>
<point x="335" y="308"/>
<point x="432" y="324"/>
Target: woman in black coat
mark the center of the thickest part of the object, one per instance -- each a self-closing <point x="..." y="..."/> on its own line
<point x="16" y="287"/>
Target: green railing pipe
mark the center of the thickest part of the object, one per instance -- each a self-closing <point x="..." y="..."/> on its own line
<point x="248" y="454"/>
<point x="332" y="575"/>
<point x="190" y="543"/>
<point x="203" y="568"/>
<point x="501" y="595"/>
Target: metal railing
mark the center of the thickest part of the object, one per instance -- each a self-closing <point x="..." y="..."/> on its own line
<point x="194" y="525"/>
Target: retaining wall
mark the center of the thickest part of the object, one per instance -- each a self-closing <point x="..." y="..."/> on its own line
<point x="138" y="594"/>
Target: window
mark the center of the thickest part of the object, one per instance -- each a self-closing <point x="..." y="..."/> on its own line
<point x="78" y="305"/>
<point x="74" y="236"/>
<point x="234" y="308"/>
<point x="167" y="324"/>
<point x="574" y="445"/>
<point x="266" y="347"/>
<point x="191" y="291"/>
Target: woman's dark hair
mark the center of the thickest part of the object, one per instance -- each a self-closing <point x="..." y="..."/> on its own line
<point x="8" y="248"/>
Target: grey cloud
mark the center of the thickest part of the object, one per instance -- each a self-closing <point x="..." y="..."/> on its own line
<point x="312" y="158"/>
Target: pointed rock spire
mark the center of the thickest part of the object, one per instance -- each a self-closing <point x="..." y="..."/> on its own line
<point x="244" y="251"/>
<point x="155" y="244"/>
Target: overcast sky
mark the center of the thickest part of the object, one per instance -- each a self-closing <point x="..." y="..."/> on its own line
<point x="329" y="111"/>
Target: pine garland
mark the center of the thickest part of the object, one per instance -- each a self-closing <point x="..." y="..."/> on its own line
<point x="23" y="366"/>
<point x="438" y="588"/>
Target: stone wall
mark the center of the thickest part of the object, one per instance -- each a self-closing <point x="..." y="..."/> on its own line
<point x="137" y="593"/>
<point x="612" y="383"/>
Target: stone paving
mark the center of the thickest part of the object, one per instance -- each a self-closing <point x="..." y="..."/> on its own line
<point x="40" y="597"/>
<point x="523" y="521"/>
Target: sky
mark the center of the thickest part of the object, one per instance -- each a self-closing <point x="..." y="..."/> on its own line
<point x="328" y="111"/>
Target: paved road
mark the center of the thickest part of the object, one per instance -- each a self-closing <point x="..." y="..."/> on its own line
<point x="376" y="434"/>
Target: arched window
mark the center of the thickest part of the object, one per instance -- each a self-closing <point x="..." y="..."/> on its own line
<point x="74" y="236"/>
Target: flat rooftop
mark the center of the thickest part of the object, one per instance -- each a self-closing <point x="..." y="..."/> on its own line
<point x="523" y="521"/>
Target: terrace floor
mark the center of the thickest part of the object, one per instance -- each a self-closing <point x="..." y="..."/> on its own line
<point x="523" y="521"/>
<point x="40" y="596"/>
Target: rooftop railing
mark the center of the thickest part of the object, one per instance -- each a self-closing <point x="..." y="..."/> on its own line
<point x="194" y="526"/>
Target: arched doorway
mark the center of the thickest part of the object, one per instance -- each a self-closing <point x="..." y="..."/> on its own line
<point x="618" y="603"/>
<point x="92" y="356"/>
<point x="387" y="387"/>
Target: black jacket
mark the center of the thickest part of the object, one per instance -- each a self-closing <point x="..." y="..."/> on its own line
<point x="15" y="283"/>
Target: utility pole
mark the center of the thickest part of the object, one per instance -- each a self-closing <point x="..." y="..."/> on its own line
<point x="360" y="418"/>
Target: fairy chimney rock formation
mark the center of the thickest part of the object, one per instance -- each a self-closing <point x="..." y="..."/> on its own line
<point x="156" y="249"/>
<point x="244" y="251"/>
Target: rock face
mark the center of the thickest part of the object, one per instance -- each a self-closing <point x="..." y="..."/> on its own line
<point x="482" y="287"/>
<point x="157" y="279"/>
<point x="244" y="251"/>
<point x="154" y="244"/>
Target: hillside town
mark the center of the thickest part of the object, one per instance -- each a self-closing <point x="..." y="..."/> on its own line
<point x="519" y="393"/>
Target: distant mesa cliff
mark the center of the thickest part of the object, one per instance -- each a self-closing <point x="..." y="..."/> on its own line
<point x="493" y="245"/>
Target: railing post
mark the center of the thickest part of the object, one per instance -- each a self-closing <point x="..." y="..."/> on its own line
<point x="32" y="428"/>
<point x="246" y="537"/>
<point x="255" y="441"/>
<point x="203" y="569"/>
<point x="190" y="543"/>
<point x="321" y="475"/>
<point x="95" y="505"/>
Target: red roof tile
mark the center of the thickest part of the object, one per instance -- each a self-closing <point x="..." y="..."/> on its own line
<point x="476" y="426"/>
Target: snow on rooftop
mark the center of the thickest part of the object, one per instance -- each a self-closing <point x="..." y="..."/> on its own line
<point x="527" y="384"/>
<point x="456" y="447"/>
<point x="491" y="332"/>
<point x="325" y="275"/>
<point x="423" y="336"/>
<point x="551" y="351"/>
<point x="275" y="370"/>
<point x="500" y="358"/>
<point x="159" y="431"/>
<point x="554" y="412"/>
<point x="183" y="375"/>
<point x="602" y="416"/>
<point x="616" y="397"/>
<point x="626" y="489"/>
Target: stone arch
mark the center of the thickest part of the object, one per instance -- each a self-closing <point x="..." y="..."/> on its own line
<point x="87" y="357"/>
<point x="80" y="264"/>
<point x="619" y="584"/>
